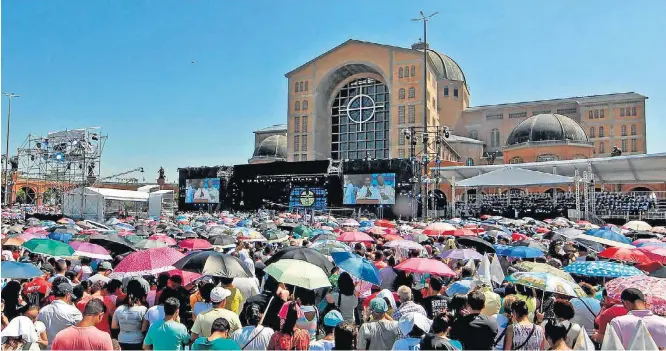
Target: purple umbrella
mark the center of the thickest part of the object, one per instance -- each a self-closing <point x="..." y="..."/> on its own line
<point x="461" y="254"/>
<point x="85" y="249"/>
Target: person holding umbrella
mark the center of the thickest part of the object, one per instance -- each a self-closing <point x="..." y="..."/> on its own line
<point x="344" y="299"/>
<point x="204" y="322"/>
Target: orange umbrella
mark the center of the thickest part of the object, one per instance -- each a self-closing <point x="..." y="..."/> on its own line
<point x="384" y="223"/>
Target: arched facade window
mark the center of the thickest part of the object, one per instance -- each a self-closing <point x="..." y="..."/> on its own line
<point x="515" y="160"/>
<point x="633" y="109"/>
<point x="469" y="162"/>
<point x="300" y="86"/>
<point x="413" y="74"/>
<point x="400" y="74"/>
<point x="547" y="157"/>
<point x="296" y="87"/>
<point x="412" y="93"/>
<point x="473" y="134"/>
<point x="401" y="92"/>
<point x="596" y="113"/>
<point x="305" y="105"/>
<point x="495" y="138"/>
<point x="406" y="71"/>
<point x="602" y="148"/>
<point x="592" y="132"/>
<point x="633" y="129"/>
<point x="306" y="85"/>
<point x="601" y="132"/>
<point x="297" y="106"/>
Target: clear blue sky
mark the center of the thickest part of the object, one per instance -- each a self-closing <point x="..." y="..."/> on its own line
<point x="125" y="65"/>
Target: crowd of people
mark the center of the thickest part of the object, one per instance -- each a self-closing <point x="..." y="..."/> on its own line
<point x="624" y="203"/>
<point x="518" y="205"/>
<point x="77" y="304"/>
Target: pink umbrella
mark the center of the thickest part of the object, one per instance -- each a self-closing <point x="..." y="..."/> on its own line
<point x="426" y="265"/>
<point x="439" y="228"/>
<point x="195" y="244"/>
<point x="653" y="288"/>
<point x="188" y="277"/>
<point x="376" y="231"/>
<point x="28" y="236"/>
<point x="85" y="249"/>
<point x="147" y="262"/>
<point x="355" y="237"/>
<point x="33" y="230"/>
<point x="89" y="232"/>
<point x="163" y="238"/>
<point x="462" y="232"/>
<point x="638" y="241"/>
<point x="655" y="253"/>
<point x="125" y="233"/>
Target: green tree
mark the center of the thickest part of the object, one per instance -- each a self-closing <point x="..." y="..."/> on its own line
<point x="21" y="196"/>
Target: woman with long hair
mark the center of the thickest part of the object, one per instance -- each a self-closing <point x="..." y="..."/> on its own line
<point x="344" y="299"/>
<point x="128" y="318"/>
<point x="11" y="296"/>
<point x="345" y="335"/>
<point x="439" y="339"/>
<point x="289" y="337"/>
<point x="556" y="335"/>
<point x="523" y="334"/>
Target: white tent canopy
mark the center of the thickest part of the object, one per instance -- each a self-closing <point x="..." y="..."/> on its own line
<point x="93" y="203"/>
<point x="511" y="176"/>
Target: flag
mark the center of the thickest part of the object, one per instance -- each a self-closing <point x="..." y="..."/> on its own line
<point x="496" y="272"/>
<point x="484" y="271"/>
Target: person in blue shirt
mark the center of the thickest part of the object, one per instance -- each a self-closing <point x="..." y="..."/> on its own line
<point x="169" y="333"/>
<point x="218" y="339"/>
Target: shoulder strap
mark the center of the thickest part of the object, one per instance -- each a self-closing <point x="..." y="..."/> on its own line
<point x="26" y="346"/>
<point x="254" y="337"/>
<point x="588" y="308"/>
<point x="570" y="326"/>
<point x="529" y="336"/>
<point x="501" y="336"/>
<point x="339" y="300"/>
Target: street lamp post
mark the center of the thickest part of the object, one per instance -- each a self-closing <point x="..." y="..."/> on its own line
<point x="9" y="118"/>
<point x="425" y="20"/>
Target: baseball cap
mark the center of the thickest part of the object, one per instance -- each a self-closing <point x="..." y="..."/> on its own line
<point x="333" y="318"/>
<point x="218" y="294"/>
<point x="104" y="266"/>
<point x="47" y="268"/>
<point x="63" y="289"/>
<point x="409" y="320"/>
<point x="378" y="305"/>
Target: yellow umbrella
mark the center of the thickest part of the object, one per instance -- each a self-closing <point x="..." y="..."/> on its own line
<point x="544" y="268"/>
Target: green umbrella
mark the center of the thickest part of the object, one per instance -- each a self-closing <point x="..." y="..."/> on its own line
<point x="303" y="231"/>
<point x="298" y="273"/>
<point x="275" y="235"/>
<point x="49" y="247"/>
<point x="134" y="239"/>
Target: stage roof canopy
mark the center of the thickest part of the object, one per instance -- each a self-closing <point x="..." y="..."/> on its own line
<point x="511" y="176"/>
<point x="619" y="170"/>
<point x="123" y="195"/>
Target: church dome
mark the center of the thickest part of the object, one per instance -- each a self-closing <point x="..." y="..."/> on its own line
<point x="446" y="66"/>
<point x="547" y="127"/>
<point x="274" y="146"/>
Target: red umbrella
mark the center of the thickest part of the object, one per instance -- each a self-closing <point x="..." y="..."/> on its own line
<point x="625" y="255"/>
<point x="384" y="223"/>
<point x="391" y="231"/>
<point x="473" y="227"/>
<point x="655" y="253"/>
<point x="188" y="277"/>
<point x="195" y="244"/>
<point x="355" y="237"/>
<point x="426" y="265"/>
<point x="366" y="302"/>
<point x="439" y="228"/>
<point x="542" y="230"/>
<point x="376" y="231"/>
<point x="461" y="232"/>
<point x="89" y="232"/>
<point x="484" y="217"/>
<point x="390" y="237"/>
<point x="147" y="262"/>
<point x="518" y="237"/>
<point x="163" y="238"/>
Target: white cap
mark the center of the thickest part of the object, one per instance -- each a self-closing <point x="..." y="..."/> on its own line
<point x="409" y="320"/>
<point x="218" y="294"/>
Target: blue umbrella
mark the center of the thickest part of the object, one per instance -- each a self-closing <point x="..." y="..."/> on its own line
<point x="610" y="235"/>
<point x="603" y="269"/>
<point x="64" y="237"/>
<point x="366" y="224"/>
<point x="357" y="266"/>
<point x="520" y="252"/>
<point x="459" y="287"/>
<point x="499" y="248"/>
<point x="18" y="270"/>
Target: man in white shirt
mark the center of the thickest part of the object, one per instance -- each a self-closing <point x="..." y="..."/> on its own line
<point x="386" y="192"/>
<point x="201" y="194"/>
<point x="367" y="191"/>
<point x="60" y="314"/>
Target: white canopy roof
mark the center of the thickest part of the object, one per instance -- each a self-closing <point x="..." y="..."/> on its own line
<point x="123" y="195"/>
<point x="511" y="176"/>
<point x="619" y="170"/>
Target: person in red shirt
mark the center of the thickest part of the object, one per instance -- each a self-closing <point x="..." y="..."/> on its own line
<point x="610" y="310"/>
<point x="84" y="335"/>
<point x="98" y="291"/>
<point x="39" y="288"/>
<point x="379" y="260"/>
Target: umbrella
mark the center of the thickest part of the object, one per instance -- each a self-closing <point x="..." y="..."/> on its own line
<point x="479" y="244"/>
<point x="462" y="232"/>
<point x="459" y="287"/>
<point x="195" y="244"/>
<point x="222" y="240"/>
<point x="150" y="244"/>
<point x="569" y="232"/>
<point x="518" y="237"/>
<point x="48" y="247"/>
<point x="610" y="234"/>
<point x="385" y="223"/>
<point x="355" y="237"/>
<point x="425" y="266"/>
<point x="147" y="262"/>
<point x="438" y="228"/>
<point x="654" y="290"/>
<point x="461" y="254"/>
<point x="546" y="282"/>
<point x="655" y="253"/>
<point x="303" y="231"/>
<point x="60" y="236"/>
<point x="602" y="269"/>
<point x="542" y="267"/>
<point x="404" y="244"/>
<point x="357" y="266"/>
<point x="625" y="255"/>
<point x="520" y="252"/>
<point x="584" y="238"/>
<point x="302" y="254"/>
<point x="114" y="243"/>
<point x="419" y="238"/>
<point x="188" y="277"/>
<point x="325" y="235"/>
<point x="350" y="223"/>
<point x="275" y="235"/>
<point x="298" y="273"/>
<point x="637" y="225"/>
<point x="19" y="270"/>
<point x="214" y="264"/>
<point x="375" y="230"/>
<point x="90" y="250"/>
<point x="326" y="247"/>
<point x="531" y="243"/>
<point x="15" y="241"/>
<point x="163" y="238"/>
<point x="650" y="243"/>
<point x="659" y="229"/>
<point x="659" y="273"/>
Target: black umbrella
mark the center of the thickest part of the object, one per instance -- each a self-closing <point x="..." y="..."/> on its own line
<point x="591" y="245"/>
<point x="114" y="243"/>
<point x="222" y="240"/>
<point x="532" y="244"/>
<point x="479" y="244"/>
<point x="302" y="254"/>
<point x="659" y="273"/>
<point x="214" y="264"/>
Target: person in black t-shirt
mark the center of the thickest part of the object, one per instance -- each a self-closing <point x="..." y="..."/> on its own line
<point x="474" y="331"/>
<point x="435" y="303"/>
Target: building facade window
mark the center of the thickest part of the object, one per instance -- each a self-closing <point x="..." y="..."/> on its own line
<point x="601" y="113"/>
<point x="351" y="140"/>
<point x="591" y="114"/>
<point x="592" y="132"/>
<point x="515" y="160"/>
<point x="518" y="115"/>
<point x="401" y="114"/>
<point x="624" y="131"/>
<point x="601" y="132"/>
<point x="401" y="93"/>
<point x="297" y="146"/>
<point x="633" y="129"/>
<point x="622" y="112"/>
<point x="494" y="138"/>
<point x="401" y="140"/>
<point x="296" y="87"/>
<point x="412" y="93"/>
<point x="297" y="106"/>
<point x="406" y="71"/>
<point x="401" y="153"/>
<point x="300" y="86"/>
<point x="564" y="111"/>
<point x="306" y="89"/>
<point x="400" y="74"/>
<point x="540" y="112"/>
<point x="446" y="91"/>
<point x="297" y="157"/>
<point x="602" y="148"/>
<point x="633" y="146"/>
<point x="455" y="92"/>
<point x="494" y="116"/>
<point x="473" y="134"/>
<point x="624" y="145"/>
<point x="412" y="114"/>
<point x="305" y="105"/>
<point x="469" y="162"/>
<point x="297" y="124"/>
<point x="304" y="157"/>
<point x="633" y="111"/>
<point x="305" y="124"/>
<point x="547" y="158"/>
<point x="304" y="144"/>
<point x="596" y="113"/>
<point x="413" y="71"/>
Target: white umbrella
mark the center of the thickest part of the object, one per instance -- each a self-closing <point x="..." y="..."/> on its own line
<point x="298" y="273"/>
<point x="637" y="225"/>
